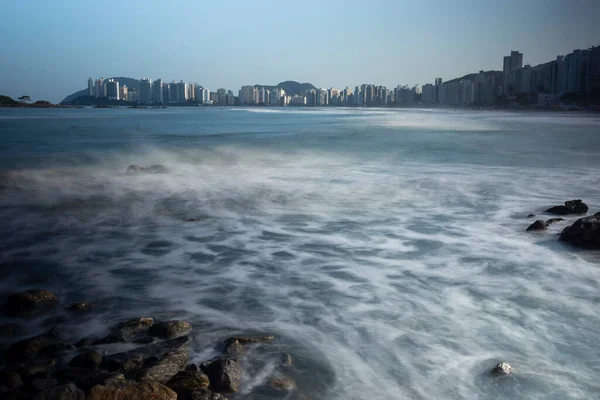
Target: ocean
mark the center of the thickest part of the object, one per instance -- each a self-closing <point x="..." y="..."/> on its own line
<point x="384" y="248"/>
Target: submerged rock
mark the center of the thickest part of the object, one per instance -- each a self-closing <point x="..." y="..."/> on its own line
<point x="502" y="369"/>
<point x="185" y="382"/>
<point x="170" y="329"/>
<point x="204" y="394"/>
<point x="127" y="331"/>
<point x="585" y="232"/>
<point x="225" y="375"/>
<point x="250" y="339"/>
<point x="29" y="303"/>
<point x="233" y="349"/>
<point x="135" y="391"/>
<point x="538" y="225"/>
<point x="554" y="221"/>
<point x="531" y="215"/>
<point x="153" y="169"/>
<point x="29" y="348"/>
<point x="84" y="306"/>
<point x="570" y="207"/>
<point x="282" y="383"/>
<point x="62" y="392"/>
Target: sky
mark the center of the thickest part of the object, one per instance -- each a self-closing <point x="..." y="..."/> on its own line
<point x="48" y="49"/>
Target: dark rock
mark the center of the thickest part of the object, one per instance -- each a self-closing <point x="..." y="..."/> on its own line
<point x="29" y="348"/>
<point x="62" y="392"/>
<point x="42" y="368"/>
<point x="89" y="359"/>
<point x="57" y="349"/>
<point x="153" y="169"/>
<point x="39" y="384"/>
<point x="10" y="380"/>
<point x="6" y="330"/>
<point x="282" y="383"/>
<point x="85" y="306"/>
<point x="126" y="331"/>
<point x="83" y="378"/>
<point x="204" y="394"/>
<point x="116" y="380"/>
<point x="169" y="329"/>
<point x="225" y="375"/>
<point x="129" y="362"/>
<point x="185" y="382"/>
<point x="164" y="369"/>
<point x="137" y="324"/>
<point x="133" y="391"/>
<point x="29" y="303"/>
<point x="116" y="337"/>
<point x="538" y="225"/>
<point x="191" y="367"/>
<point x="250" y="339"/>
<point x="146" y="340"/>
<point x="585" y="232"/>
<point x="553" y="221"/>
<point x="502" y="369"/>
<point x="85" y="342"/>
<point x="233" y="349"/>
<point x="531" y="215"/>
<point x="286" y="360"/>
<point x="570" y="207"/>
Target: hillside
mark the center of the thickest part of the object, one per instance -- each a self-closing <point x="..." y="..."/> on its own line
<point x="469" y="77"/>
<point x="130" y="82"/>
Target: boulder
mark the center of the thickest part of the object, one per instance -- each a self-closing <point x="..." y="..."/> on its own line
<point x="502" y="369"/>
<point x="554" y="221"/>
<point x="42" y="383"/>
<point x="62" y="392"/>
<point x="169" y="329"/>
<point x="585" y="232"/>
<point x="128" y="362"/>
<point x="570" y="207"/>
<point x="29" y="348"/>
<point x="83" y="378"/>
<point x="85" y="306"/>
<point x="29" y="303"/>
<point x="530" y="215"/>
<point x="88" y="359"/>
<point x="538" y="225"/>
<point x="153" y="169"/>
<point x="41" y="368"/>
<point x="164" y="369"/>
<point x="205" y="394"/>
<point x="233" y="349"/>
<point x="116" y="337"/>
<point x="282" y="383"/>
<point x="137" y="324"/>
<point x="127" y="331"/>
<point x="10" y="380"/>
<point x="225" y="375"/>
<point x="134" y="391"/>
<point x="85" y="342"/>
<point x="185" y="382"/>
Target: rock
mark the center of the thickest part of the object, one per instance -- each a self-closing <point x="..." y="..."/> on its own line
<point x="137" y="324"/>
<point x="204" y="394"/>
<point x="57" y="349"/>
<point x="282" y="383"/>
<point x="85" y="342"/>
<point x="43" y="368"/>
<point x="136" y="391"/>
<point x="83" y="378"/>
<point x="502" y="369"/>
<point x="10" y="380"/>
<point x="6" y="330"/>
<point x="185" y="382"/>
<point x="127" y="331"/>
<point x="29" y="348"/>
<point x="88" y="359"/>
<point x="40" y="384"/>
<point x="163" y="370"/>
<point x="116" y="337"/>
<point x="146" y="340"/>
<point x="128" y="362"/>
<point x="286" y="360"/>
<point x="29" y="303"/>
<point x="250" y="339"/>
<point x="116" y="380"/>
<point x="538" y="225"/>
<point x="570" y="207"/>
<point x="153" y="169"/>
<point x="191" y="367"/>
<point x="233" y="349"/>
<point x="82" y="306"/>
<point x="62" y="392"/>
<point x="531" y="215"/>
<point x="553" y="221"/>
<point x="225" y="375"/>
<point x="585" y="232"/>
<point x="169" y="329"/>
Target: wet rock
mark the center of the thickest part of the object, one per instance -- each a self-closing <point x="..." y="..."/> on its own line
<point x="286" y="360"/>
<point x="282" y="383"/>
<point x="29" y="303"/>
<point x="204" y="394"/>
<point x="502" y="369"/>
<point x="88" y="359"/>
<point x="116" y="337"/>
<point x="85" y="306"/>
<point x="29" y="348"/>
<point x="127" y="331"/>
<point x="225" y="375"/>
<point x="57" y="349"/>
<point x="83" y="378"/>
<point x="185" y="382"/>
<point x="250" y="339"/>
<point x="39" y="384"/>
<point x="531" y="215"/>
<point x="10" y="380"/>
<point x="554" y="221"/>
<point x="62" y="392"/>
<point x="169" y="329"/>
<point x="164" y="369"/>
<point x="570" y="207"/>
<point x="233" y="349"/>
<point x="191" y="367"/>
<point x="538" y="225"/>
<point x="585" y="232"/>
<point x="153" y="169"/>
<point x="116" y="380"/>
<point x="146" y="340"/>
<point x="42" y="368"/>
<point x="137" y="324"/>
<point x="137" y="391"/>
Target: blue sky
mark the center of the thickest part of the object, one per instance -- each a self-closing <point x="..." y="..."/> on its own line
<point x="48" y="49"/>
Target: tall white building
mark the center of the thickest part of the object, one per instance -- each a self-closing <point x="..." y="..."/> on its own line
<point x="182" y="92"/>
<point x="112" y="89"/>
<point x="90" y="86"/>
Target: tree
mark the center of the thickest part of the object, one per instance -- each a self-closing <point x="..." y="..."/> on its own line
<point x="24" y="99"/>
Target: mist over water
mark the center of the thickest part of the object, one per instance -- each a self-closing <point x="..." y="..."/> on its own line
<point x="386" y="249"/>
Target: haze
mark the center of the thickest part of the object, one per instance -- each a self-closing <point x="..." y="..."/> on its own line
<point x="49" y="49"/>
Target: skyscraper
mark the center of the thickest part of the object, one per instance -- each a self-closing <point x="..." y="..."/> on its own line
<point x="90" y="86"/>
<point x="182" y="92"/>
<point x="511" y="64"/>
<point x="112" y="89"/>
<point x="145" y="95"/>
<point x="157" y="91"/>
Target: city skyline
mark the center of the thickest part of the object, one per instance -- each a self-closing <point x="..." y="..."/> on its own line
<point x="333" y="43"/>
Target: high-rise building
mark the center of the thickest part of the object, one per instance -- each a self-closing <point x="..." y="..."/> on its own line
<point x="511" y="64"/>
<point x="428" y="94"/>
<point x="222" y="97"/>
<point x="248" y="95"/>
<point x="173" y="93"/>
<point x="90" y="86"/>
<point x="145" y="95"/>
<point x="133" y="96"/>
<point x="112" y="89"/>
<point x="166" y="96"/>
<point x="205" y="95"/>
<point x="191" y="91"/>
<point x="100" y="88"/>
<point x="438" y="86"/>
<point x="157" y="91"/>
<point x="230" y="98"/>
<point x="182" y="92"/>
<point x="123" y="92"/>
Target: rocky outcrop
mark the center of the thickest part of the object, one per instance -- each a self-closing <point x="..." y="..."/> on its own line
<point x="153" y="169"/>
<point x="585" y="232"/>
<point x="225" y="374"/>
<point x="184" y="383"/>
<point x="570" y="207"/>
<point x="29" y="303"/>
<point x="502" y="369"/>
<point x="538" y="225"/>
<point x="170" y="329"/>
<point x="136" y="391"/>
